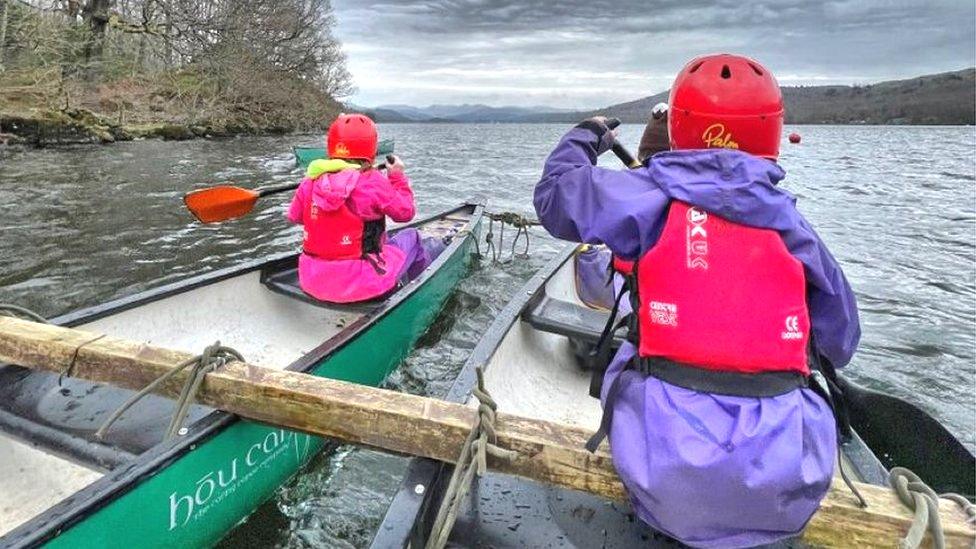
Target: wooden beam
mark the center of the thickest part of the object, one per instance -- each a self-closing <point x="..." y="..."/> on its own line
<point x="547" y="452"/>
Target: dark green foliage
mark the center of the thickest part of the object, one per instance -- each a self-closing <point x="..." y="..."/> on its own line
<point x="172" y="68"/>
<point x="946" y="98"/>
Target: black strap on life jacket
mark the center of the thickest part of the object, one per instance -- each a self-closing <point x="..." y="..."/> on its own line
<point x="759" y="385"/>
<point x="600" y="356"/>
<point x="833" y="394"/>
<point x="601" y="353"/>
<point x="373" y="236"/>
<point x="607" y="419"/>
<point x="373" y="244"/>
<point x="764" y="384"/>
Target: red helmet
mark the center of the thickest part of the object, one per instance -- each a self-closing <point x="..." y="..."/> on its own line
<point x="353" y="137"/>
<point x="727" y="101"/>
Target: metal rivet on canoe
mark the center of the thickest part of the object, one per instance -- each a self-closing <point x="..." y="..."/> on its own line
<point x="419" y="489"/>
<point x="183" y="431"/>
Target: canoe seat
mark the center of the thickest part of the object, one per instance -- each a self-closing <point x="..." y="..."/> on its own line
<point x="574" y="321"/>
<point x="285" y="282"/>
<point x="56" y="416"/>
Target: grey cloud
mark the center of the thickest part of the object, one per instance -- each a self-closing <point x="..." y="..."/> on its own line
<point x="535" y="51"/>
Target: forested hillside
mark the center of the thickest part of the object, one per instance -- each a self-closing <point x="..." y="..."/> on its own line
<point x="945" y="98"/>
<point x="82" y="70"/>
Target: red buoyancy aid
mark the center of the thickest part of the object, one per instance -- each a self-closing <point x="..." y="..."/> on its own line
<point x="722" y="297"/>
<point x="336" y="234"/>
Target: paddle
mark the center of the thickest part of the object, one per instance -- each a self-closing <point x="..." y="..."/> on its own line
<point x="902" y="434"/>
<point x="619" y="150"/>
<point x="898" y="432"/>
<point x="225" y="202"/>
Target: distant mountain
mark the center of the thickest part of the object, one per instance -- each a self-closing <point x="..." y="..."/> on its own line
<point x="389" y="115"/>
<point x="945" y="98"/>
<point x="379" y="114"/>
<point x="458" y="113"/>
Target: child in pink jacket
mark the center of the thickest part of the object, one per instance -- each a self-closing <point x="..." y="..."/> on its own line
<point x="343" y="205"/>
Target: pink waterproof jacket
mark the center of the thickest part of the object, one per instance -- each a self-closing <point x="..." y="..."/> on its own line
<point x="371" y="195"/>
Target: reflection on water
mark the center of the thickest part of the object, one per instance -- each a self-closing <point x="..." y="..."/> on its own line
<point x="895" y="205"/>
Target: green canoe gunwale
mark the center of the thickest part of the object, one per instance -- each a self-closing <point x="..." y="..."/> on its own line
<point x="81" y="505"/>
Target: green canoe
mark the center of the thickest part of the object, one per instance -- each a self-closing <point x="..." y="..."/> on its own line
<point x="61" y="486"/>
<point x="305" y="155"/>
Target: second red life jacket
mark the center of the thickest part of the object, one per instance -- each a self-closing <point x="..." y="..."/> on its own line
<point x="722" y="296"/>
<point x="622" y="266"/>
<point x="339" y="233"/>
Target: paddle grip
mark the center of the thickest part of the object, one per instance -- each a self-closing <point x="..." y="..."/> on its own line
<point x="390" y="159"/>
<point x="619" y="150"/>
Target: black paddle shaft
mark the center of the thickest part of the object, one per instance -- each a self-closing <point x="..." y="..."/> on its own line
<point x="619" y="150"/>
<point x="275" y="189"/>
<point x="285" y="187"/>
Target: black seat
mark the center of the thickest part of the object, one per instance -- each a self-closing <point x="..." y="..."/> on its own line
<point x="285" y="282"/>
<point x="62" y="417"/>
<point x="580" y="324"/>
<point x="574" y="321"/>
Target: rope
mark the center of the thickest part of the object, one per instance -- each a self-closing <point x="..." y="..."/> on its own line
<point x="9" y="309"/>
<point x="920" y="498"/>
<point x="213" y="357"/>
<point x="474" y="238"/>
<point x="490" y="240"/>
<point x="473" y="460"/>
<point x="70" y="370"/>
<point x="516" y="220"/>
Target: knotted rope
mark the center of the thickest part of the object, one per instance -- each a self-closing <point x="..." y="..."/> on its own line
<point x="519" y="221"/>
<point x="473" y="459"/>
<point x="213" y="357"/>
<point x="919" y="497"/>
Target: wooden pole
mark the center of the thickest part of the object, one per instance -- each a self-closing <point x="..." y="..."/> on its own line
<point x="408" y="424"/>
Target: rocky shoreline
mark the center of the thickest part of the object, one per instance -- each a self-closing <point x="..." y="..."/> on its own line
<point x="43" y="128"/>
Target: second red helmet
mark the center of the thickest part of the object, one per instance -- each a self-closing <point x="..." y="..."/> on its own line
<point x="352" y="137"/>
<point x="727" y="101"/>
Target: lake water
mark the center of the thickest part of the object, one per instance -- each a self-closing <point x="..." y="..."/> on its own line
<point x="896" y="206"/>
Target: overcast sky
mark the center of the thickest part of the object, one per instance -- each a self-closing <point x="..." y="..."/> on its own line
<point x="593" y="53"/>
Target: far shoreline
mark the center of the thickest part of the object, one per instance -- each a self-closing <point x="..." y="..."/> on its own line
<point x="70" y="134"/>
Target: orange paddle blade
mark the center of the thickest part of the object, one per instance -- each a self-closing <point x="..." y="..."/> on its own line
<point x="220" y="203"/>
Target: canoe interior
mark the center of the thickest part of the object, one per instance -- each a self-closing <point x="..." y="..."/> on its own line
<point x="535" y="374"/>
<point x="305" y="155"/>
<point x="534" y="367"/>
<point x="47" y="428"/>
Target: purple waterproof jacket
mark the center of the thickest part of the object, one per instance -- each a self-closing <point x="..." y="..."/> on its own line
<point x="710" y="470"/>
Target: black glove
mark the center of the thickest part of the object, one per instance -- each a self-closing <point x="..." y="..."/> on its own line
<point x="605" y="136"/>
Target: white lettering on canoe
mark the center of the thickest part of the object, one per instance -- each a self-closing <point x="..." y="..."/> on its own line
<point x="196" y="500"/>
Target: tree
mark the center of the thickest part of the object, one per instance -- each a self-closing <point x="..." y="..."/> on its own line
<point x="96" y="15"/>
<point x="250" y="64"/>
<point x="3" y="30"/>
